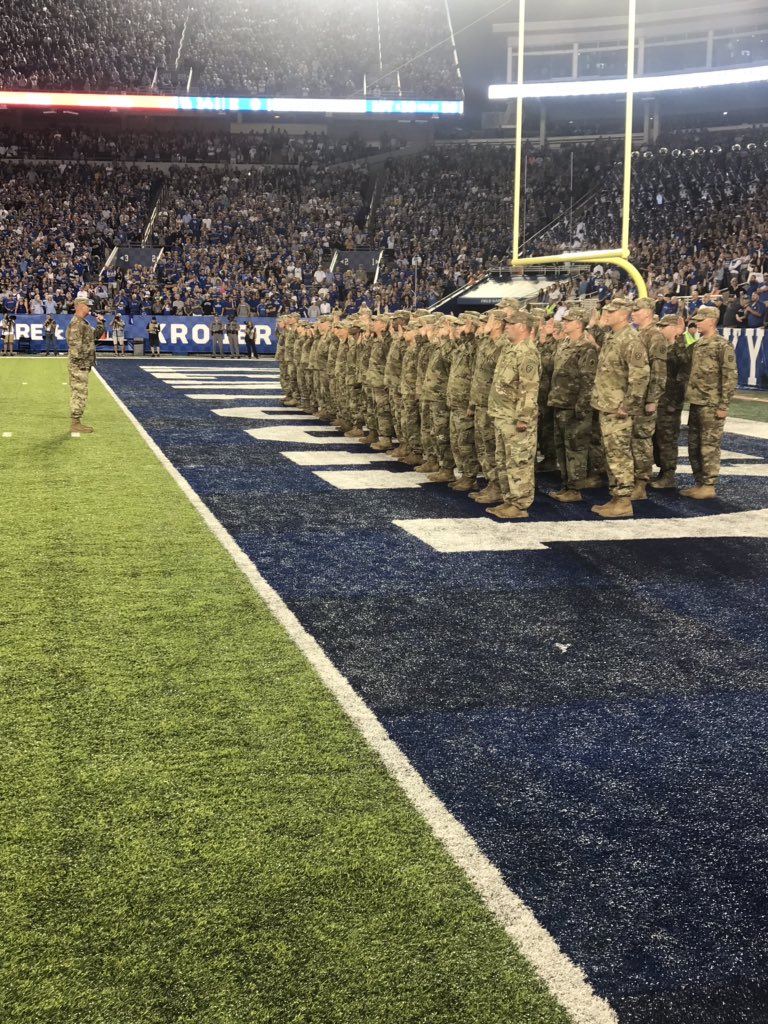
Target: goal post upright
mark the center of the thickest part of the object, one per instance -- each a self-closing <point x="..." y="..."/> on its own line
<point x="616" y="257"/>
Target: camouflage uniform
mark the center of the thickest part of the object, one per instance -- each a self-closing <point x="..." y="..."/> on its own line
<point x="425" y="414"/>
<point x="621" y="382"/>
<point x="433" y="392"/>
<point x="382" y="420"/>
<point x="644" y="424"/>
<point x="570" y="396"/>
<point x="306" y="382"/>
<point x="486" y="358"/>
<point x="462" y="424"/>
<point x="547" y="346"/>
<point x="392" y="370"/>
<point x="409" y="403"/>
<point x="81" y="342"/>
<point x="513" y="398"/>
<point x="711" y="387"/>
<point x="667" y="437"/>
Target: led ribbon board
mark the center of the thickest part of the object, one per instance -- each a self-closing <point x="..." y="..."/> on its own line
<point x="234" y="104"/>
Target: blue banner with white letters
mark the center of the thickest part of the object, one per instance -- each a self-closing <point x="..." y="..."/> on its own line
<point x="179" y="335"/>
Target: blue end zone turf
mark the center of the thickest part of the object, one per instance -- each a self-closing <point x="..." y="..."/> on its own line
<point x="593" y="712"/>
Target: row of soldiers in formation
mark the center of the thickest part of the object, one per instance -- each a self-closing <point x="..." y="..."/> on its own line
<point x="499" y="395"/>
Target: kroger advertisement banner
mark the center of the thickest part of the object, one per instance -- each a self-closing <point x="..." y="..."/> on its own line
<point x="179" y="335"/>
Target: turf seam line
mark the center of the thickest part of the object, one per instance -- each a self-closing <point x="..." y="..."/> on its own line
<point x="564" y="979"/>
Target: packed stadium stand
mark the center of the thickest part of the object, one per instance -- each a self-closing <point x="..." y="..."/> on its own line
<point x="241" y="48"/>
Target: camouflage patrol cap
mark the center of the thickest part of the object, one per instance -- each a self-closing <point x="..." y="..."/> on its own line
<point x="619" y="303"/>
<point x="519" y="316"/>
<point x="646" y="303"/>
<point x="83" y="297"/>
<point x="707" y="313"/>
<point x="509" y="303"/>
<point x="671" y="319"/>
<point x="577" y="313"/>
<point x="402" y="314"/>
<point x="497" y="313"/>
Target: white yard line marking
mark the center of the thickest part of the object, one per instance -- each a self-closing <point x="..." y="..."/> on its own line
<point x="761" y="469"/>
<point x="230" y="396"/>
<point x="310" y="433"/>
<point x="7" y="433"/>
<point x="454" y="536"/>
<point x="563" y="978"/>
<point x="372" y="480"/>
<point x="257" y="412"/>
<point x="336" y="458"/>
<point x="257" y="386"/>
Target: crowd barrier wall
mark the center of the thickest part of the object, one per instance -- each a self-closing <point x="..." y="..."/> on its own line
<point x="191" y="335"/>
<point x="179" y="335"/>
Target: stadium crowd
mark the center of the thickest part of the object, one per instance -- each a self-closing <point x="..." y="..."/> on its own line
<point x="239" y="48"/>
<point x="261" y="238"/>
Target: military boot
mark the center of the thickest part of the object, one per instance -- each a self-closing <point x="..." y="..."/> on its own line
<point x="442" y="476"/>
<point x="508" y="512"/>
<point x="664" y="481"/>
<point x="639" y="492"/>
<point x="464" y="485"/>
<point x="412" y="459"/>
<point x="371" y="437"/>
<point x="397" y="452"/>
<point x="491" y="495"/>
<point x="382" y="445"/>
<point x="76" y="427"/>
<point x="428" y="467"/>
<point x="592" y="482"/>
<point x="565" y="494"/>
<point x="616" y="508"/>
<point x="701" y="492"/>
<point x="354" y="432"/>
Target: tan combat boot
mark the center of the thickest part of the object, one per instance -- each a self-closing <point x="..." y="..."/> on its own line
<point x="76" y="427"/>
<point x="371" y="437"/>
<point x="664" y="481"/>
<point x="442" y="476"/>
<point x="565" y="494"/>
<point x="616" y="508"/>
<point x="639" y="492"/>
<point x="382" y="445"/>
<point x="491" y="495"/>
<point x="592" y="482"/>
<point x="428" y="467"/>
<point x="354" y="432"/>
<point x="464" y="485"/>
<point x="701" y="492"/>
<point x="412" y="459"/>
<point x="397" y="452"/>
<point x="508" y="512"/>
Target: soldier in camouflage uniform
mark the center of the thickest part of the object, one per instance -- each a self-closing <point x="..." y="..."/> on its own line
<point x="392" y="370"/>
<point x="429" y="452"/>
<point x="462" y="422"/>
<point x="644" y="421"/>
<point x="381" y="428"/>
<point x="570" y="396"/>
<point x="667" y="437"/>
<point x="514" y="405"/>
<point x="415" y="340"/>
<point x="547" y="339"/>
<point x="434" y="391"/>
<point x="353" y="373"/>
<point x="486" y="358"/>
<point x="81" y="343"/>
<point x="711" y="386"/>
<point x="304" y="374"/>
<point x="289" y="355"/>
<point x="619" y="392"/>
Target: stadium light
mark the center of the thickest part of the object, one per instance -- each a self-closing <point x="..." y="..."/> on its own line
<point x="621" y="86"/>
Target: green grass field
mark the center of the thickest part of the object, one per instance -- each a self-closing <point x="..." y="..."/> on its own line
<point x="751" y="405"/>
<point x="192" y="831"/>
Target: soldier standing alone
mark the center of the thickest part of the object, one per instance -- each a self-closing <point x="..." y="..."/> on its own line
<point x="81" y="342"/>
<point x="711" y="387"/>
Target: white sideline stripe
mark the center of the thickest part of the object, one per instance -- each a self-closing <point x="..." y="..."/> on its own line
<point x="454" y="536"/>
<point x="154" y="368"/>
<point x="7" y="433"/>
<point x="372" y="480"/>
<point x="563" y="978"/>
<point x="229" y="397"/>
<point x="336" y="458"/>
